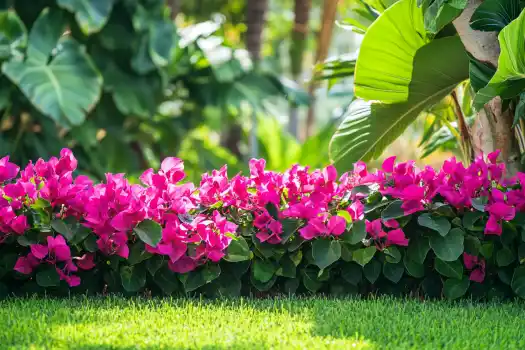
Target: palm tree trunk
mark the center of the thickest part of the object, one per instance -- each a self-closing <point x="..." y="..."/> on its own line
<point x="492" y="129"/>
<point x="297" y="48"/>
<point x="255" y="21"/>
<point x="174" y="6"/>
<point x="323" y="44"/>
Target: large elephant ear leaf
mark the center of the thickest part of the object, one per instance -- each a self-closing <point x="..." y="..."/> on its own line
<point x="385" y="62"/>
<point x="369" y="128"/>
<point x="13" y="34"/>
<point x="494" y="15"/>
<point x="439" y="13"/>
<point x="91" y="15"/>
<point x="64" y="87"/>
<point x="509" y="80"/>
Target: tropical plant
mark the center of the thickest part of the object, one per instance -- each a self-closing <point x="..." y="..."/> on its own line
<point x="453" y="232"/>
<point x="415" y="54"/>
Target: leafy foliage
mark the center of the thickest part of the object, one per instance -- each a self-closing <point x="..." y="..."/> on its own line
<point x="368" y="128"/>
<point x="261" y="234"/>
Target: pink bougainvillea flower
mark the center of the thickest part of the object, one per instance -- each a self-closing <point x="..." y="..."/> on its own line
<point x="86" y="261"/>
<point x="497" y="212"/>
<point x="356" y="210"/>
<point x="8" y="170"/>
<point x="56" y="249"/>
<point x="388" y="164"/>
<point x="183" y="265"/>
<point x="476" y="266"/>
<point x="26" y="264"/>
<point x="396" y="237"/>
<point x="320" y="226"/>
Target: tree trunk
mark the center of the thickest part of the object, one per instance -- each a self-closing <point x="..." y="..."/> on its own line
<point x="297" y="48"/>
<point x="323" y="44"/>
<point x="492" y="129"/>
<point x="255" y="20"/>
<point x="174" y="6"/>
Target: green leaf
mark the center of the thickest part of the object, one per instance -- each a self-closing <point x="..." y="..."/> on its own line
<point x="364" y="255"/>
<point x="44" y="35"/>
<point x="385" y="63"/>
<point x="470" y="218"/>
<point x="65" y="89"/>
<point x="162" y="41"/>
<point x="454" y="288"/>
<point x="287" y="268"/>
<point x="393" y="211"/>
<point x="272" y="210"/>
<point x="290" y="227"/>
<point x="505" y="256"/>
<point x="368" y="128"/>
<point x="238" y="250"/>
<point x="372" y="271"/>
<point x="166" y="279"/>
<point x="291" y="285"/>
<point x="479" y="203"/>
<point x="263" y="270"/>
<point x="352" y="273"/>
<point x="356" y="234"/>
<point x="509" y="80"/>
<point x="133" y="95"/>
<point x="91" y="15"/>
<point x="325" y="252"/>
<point x="494" y="15"/>
<point x="442" y="12"/>
<point x="63" y="228"/>
<point x="48" y="277"/>
<point x="413" y="268"/>
<point x="263" y="286"/>
<point x="450" y="247"/>
<point x="345" y="214"/>
<point x="480" y="73"/>
<point x="472" y="245"/>
<point x="418" y="249"/>
<point x="91" y="243"/>
<point x="393" y="272"/>
<point x="154" y="264"/>
<point x="392" y="255"/>
<point x="436" y="223"/>
<point x="518" y="282"/>
<point x="13" y="35"/>
<point x="310" y="280"/>
<point x="138" y="253"/>
<point x="519" y="113"/>
<point x="195" y="279"/>
<point x="487" y="249"/>
<point x="133" y="277"/>
<point x="149" y="232"/>
<point x="452" y="269"/>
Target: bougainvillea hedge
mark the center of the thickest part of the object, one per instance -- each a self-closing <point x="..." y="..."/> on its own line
<point x="456" y="232"/>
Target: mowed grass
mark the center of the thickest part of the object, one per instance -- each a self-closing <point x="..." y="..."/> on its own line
<point x="383" y="323"/>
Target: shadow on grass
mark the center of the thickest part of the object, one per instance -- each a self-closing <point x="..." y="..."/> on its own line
<point x="115" y="323"/>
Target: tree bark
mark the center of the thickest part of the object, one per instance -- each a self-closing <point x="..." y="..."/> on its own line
<point x="323" y="44"/>
<point x="174" y="6"/>
<point x="297" y="48"/>
<point x="492" y="129"/>
<point x="255" y="20"/>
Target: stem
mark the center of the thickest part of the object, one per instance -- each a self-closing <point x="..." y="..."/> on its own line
<point x="465" y="142"/>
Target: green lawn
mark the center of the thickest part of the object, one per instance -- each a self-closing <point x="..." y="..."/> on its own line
<point x="115" y="323"/>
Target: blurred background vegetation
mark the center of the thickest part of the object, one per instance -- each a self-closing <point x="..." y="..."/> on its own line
<point x="125" y="83"/>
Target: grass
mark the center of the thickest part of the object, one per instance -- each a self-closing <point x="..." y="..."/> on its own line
<point x="115" y="323"/>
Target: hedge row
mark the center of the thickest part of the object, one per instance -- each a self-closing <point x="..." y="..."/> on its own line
<point x="459" y="231"/>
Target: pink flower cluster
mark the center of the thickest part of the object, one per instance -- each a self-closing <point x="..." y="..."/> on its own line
<point x="198" y="223"/>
